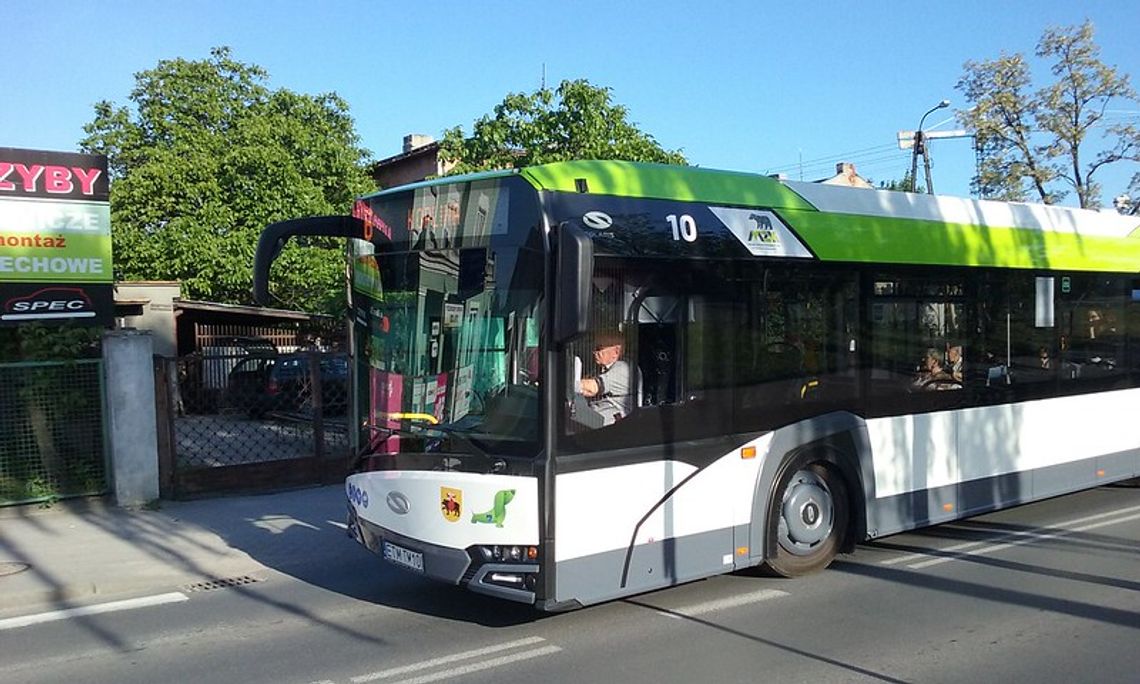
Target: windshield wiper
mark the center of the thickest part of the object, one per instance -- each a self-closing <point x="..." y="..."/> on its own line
<point x="430" y="424"/>
<point x="460" y="434"/>
<point x="368" y="448"/>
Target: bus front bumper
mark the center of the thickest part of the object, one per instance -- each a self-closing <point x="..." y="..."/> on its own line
<point x="511" y="581"/>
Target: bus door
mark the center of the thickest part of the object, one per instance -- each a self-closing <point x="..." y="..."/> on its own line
<point x="918" y="371"/>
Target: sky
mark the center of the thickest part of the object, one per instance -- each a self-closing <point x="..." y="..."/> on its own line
<point x="767" y="87"/>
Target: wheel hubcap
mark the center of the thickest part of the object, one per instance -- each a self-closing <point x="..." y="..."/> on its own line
<point x="806" y="513"/>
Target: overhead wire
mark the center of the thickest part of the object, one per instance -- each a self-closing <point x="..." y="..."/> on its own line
<point x="827" y="159"/>
<point x="865" y="161"/>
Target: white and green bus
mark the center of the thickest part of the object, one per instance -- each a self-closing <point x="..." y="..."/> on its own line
<point x="811" y="366"/>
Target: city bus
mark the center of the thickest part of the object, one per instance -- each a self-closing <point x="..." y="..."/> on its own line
<point x="806" y="367"/>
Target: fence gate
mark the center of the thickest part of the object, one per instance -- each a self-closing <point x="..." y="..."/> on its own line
<point x="251" y="422"/>
<point x="52" y="436"/>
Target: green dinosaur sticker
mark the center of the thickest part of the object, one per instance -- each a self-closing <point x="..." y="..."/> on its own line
<point x="498" y="512"/>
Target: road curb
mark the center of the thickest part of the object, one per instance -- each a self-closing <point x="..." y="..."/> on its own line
<point x="28" y="601"/>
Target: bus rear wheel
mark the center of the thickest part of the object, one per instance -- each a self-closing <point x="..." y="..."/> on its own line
<point x="809" y="520"/>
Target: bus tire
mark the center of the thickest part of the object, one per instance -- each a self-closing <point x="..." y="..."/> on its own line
<point x="809" y="518"/>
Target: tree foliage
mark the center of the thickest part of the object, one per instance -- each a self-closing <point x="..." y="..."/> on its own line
<point x="575" y="121"/>
<point x="1033" y="140"/>
<point x="1002" y="120"/>
<point x="207" y="156"/>
<point x="905" y="184"/>
<point x="38" y="342"/>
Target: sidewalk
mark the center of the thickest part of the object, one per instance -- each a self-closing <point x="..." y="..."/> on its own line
<point x="89" y="552"/>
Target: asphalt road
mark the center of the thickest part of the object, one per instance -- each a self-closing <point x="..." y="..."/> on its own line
<point x="1045" y="593"/>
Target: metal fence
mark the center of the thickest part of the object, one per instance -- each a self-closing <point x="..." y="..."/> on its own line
<point x="241" y="422"/>
<point x="52" y="431"/>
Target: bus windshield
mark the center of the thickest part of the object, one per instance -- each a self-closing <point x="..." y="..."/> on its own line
<point x="447" y="327"/>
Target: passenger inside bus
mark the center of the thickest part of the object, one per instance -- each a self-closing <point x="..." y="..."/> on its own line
<point x="932" y="375"/>
<point x="957" y="367"/>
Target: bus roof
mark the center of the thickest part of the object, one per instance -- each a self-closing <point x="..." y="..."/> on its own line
<point x="862" y="225"/>
<point x="665" y="181"/>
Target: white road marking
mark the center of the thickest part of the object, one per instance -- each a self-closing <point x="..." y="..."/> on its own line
<point x="128" y="604"/>
<point x="482" y="665"/>
<point x="444" y="660"/>
<point x="1029" y="539"/>
<point x="911" y="557"/>
<point x="722" y="604"/>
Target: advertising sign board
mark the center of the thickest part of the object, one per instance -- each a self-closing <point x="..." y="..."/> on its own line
<point x="55" y="237"/>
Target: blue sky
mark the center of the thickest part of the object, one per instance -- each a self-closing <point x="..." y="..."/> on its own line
<point x="750" y="86"/>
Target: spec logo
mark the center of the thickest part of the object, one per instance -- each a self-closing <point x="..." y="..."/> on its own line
<point x="49" y="302"/>
<point x="597" y="220"/>
<point x="357" y="496"/>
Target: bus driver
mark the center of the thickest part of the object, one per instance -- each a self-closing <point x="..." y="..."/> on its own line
<point x="610" y="392"/>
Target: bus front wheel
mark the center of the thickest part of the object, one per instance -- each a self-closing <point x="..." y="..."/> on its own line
<point x="809" y="520"/>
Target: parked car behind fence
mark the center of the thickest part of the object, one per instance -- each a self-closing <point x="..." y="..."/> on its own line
<point x="263" y="384"/>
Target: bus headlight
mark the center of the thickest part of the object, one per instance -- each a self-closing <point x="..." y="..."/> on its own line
<point x="507" y="554"/>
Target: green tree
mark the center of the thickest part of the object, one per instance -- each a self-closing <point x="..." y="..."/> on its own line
<point x="906" y="184"/>
<point x="1031" y="140"/>
<point x="575" y="121"/>
<point x="209" y="155"/>
<point x="1002" y="118"/>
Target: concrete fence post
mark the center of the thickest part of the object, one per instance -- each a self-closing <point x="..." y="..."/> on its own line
<point x="127" y="362"/>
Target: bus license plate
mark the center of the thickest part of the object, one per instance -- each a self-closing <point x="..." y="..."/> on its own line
<point x="413" y="560"/>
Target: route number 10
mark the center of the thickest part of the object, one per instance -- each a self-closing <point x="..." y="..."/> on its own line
<point x="684" y="228"/>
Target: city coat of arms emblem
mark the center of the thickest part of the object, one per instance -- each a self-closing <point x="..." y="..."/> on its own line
<point x="451" y="503"/>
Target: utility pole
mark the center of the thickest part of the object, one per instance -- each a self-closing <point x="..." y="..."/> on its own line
<point x="919" y="142"/>
<point x="921" y="148"/>
<point x="915" y="151"/>
<point x="926" y="165"/>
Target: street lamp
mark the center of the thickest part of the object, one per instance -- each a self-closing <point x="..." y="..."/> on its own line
<point x="920" y="148"/>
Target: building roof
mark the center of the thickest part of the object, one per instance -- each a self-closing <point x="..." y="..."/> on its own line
<point x="422" y="150"/>
<point x="846" y="176"/>
<point x="217" y="307"/>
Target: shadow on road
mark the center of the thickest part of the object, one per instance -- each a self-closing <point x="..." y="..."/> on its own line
<point x="301" y="534"/>
<point x="87" y="553"/>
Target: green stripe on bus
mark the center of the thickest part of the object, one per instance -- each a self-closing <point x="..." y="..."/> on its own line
<point x="664" y="181"/>
<point x="850" y="237"/>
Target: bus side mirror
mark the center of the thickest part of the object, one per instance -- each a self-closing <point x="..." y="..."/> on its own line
<point x="574" y="268"/>
<point x="275" y="235"/>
